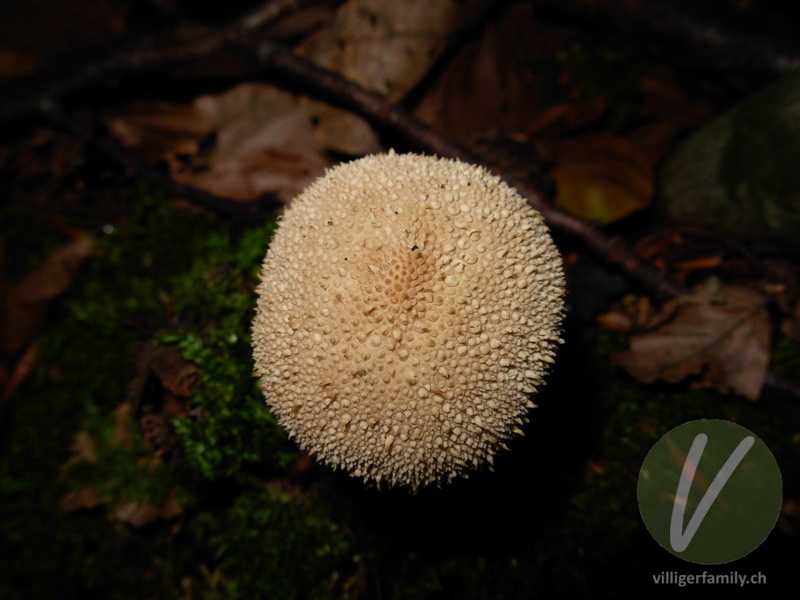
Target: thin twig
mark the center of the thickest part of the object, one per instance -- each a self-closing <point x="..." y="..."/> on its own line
<point x="145" y="56"/>
<point x="262" y="209"/>
<point x="149" y="54"/>
<point x="384" y="114"/>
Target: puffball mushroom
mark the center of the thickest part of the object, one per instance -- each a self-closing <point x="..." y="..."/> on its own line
<point x="409" y="306"/>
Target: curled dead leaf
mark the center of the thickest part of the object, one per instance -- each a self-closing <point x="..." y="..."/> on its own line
<point x="10" y="381"/>
<point x="617" y="320"/>
<point x="628" y="315"/>
<point x="250" y="140"/>
<point x="602" y="178"/>
<point x="386" y="48"/>
<point x="24" y="301"/>
<point x="157" y="395"/>
<point x="82" y="499"/>
<point x="718" y="332"/>
<point x="142" y="513"/>
<point x="85" y="450"/>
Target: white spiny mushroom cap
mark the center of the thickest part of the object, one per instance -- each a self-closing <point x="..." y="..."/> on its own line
<point x="409" y="307"/>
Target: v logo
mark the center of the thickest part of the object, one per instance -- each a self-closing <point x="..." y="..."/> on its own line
<point x="680" y="540"/>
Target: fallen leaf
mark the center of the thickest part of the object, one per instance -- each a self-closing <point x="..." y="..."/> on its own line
<point x="491" y="84"/>
<point x="25" y="301"/>
<point x="82" y="499"/>
<point x="176" y="374"/>
<point x="595" y="467"/>
<point x="85" y="451"/>
<point x="255" y="138"/>
<point x="602" y="177"/>
<point x="126" y="511"/>
<point x="718" y="332"/>
<point x="157" y="394"/>
<point x="606" y="177"/>
<point x="142" y="513"/>
<point x="387" y="48"/>
<point x="628" y="315"/>
<point x="122" y="432"/>
<point x="9" y="383"/>
<point x="617" y="320"/>
<point x="250" y="140"/>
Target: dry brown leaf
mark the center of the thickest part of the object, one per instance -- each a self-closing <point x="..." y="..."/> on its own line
<point x="164" y="379"/>
<point x="23" y="302"/>
<point x="162" y="131"/>
<point x="684" y="251"/>
<point x="491" y="83"/>
<point x="142" y="513"/>
<point x="176" y="374"/>
<point x="87" y="497"/>
<point x="719" y="332"/>
<point x="628" y="315"/>
<point x="617" y="320"/>
<point x="84" y="498"/>
<point x="126" y="511"/>
<point x="10" y="381"/>
<point x="122" y="433"/>
<point x="602" y="178"/>
<point x="387" y="48"/>
<point x="264" y="140"/>
<point x="83" y="449"/>
<point x="255" y="138"/>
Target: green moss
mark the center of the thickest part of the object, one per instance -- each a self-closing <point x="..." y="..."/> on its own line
<point x="120" y="466"/>
<point x="786" y="357"/>
<point x="269" y="544"/>
<point x="229" y="432"/>
<point x="189" y="280"/>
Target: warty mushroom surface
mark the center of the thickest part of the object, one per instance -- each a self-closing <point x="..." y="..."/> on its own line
<point x="409" y="307"/>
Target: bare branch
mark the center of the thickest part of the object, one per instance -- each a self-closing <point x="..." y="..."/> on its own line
<point x="150" y="54"/>
<point x="385" y="115"/>
<point x="260" y="210"/>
